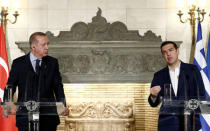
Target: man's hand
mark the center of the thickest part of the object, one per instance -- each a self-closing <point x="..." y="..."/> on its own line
<point x="8" y="109"/>
<point x="65" y="112"/>
<point x="4" y="111"/>
<point x="154" y="91"/>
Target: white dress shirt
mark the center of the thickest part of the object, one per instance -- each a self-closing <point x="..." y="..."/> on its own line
<point x="174" y="75"/>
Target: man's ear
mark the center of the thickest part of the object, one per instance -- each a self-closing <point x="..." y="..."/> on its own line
<point x="177" y="50"/>
<point x="32" y="46"/>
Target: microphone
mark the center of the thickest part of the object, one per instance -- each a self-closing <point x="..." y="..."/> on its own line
<point x="186" y="99"/>
<point x="43" y="65"/>
<point x="41" y="77"/>
<point x="8" y="93"/>
<point x="28" y="80"/>
<point x="185" y="84"/>
<point x="194" y="69"/>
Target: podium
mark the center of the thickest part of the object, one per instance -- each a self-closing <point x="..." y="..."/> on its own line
<point x="187" y="108"/>
<point x="31" y="109"/>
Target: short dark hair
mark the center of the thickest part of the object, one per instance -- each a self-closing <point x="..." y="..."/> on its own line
<point x="168" y="42"/>
<point x="33" y="36"/>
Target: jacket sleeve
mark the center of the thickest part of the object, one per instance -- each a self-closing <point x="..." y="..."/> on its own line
<point x="58" y="85"/>
<point x="12" y="80"/>
<point x="155" y="82"/>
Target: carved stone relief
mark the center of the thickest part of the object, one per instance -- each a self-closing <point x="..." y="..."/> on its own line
<point x="101" y="110"/>
<point x="116" y="115"/>
<point x="110" y="64"/>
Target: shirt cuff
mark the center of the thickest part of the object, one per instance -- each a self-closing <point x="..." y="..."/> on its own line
<point x="153" y="99"/>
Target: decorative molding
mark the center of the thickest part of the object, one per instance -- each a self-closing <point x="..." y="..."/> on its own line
<point x="89" y="115"/>
<point x="105" y="110"/>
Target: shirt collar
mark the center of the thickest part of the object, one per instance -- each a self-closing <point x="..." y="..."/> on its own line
<point x="176" y="68"/>
<point x="33" y="57"/>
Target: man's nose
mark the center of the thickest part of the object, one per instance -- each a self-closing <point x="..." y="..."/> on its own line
<point x="46" y="47"/>
<point x="167" y="53"/>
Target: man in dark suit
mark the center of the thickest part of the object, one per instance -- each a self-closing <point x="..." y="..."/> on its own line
<point x="38" y="78"/>
<point x="186" y="83"/>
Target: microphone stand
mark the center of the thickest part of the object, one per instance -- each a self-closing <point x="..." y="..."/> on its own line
<point x="198" y="95"/>
<point x="27" y="84"/>
<point x="186" y="98"/>
<point x="35" y="122"/>
<point x="32" y="105"/>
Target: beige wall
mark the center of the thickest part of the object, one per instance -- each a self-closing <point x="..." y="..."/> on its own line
<point x="160" y="16"/>
<point x="55" y="15"/>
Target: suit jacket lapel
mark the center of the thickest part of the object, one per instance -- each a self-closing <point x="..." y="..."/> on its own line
<point x="42" y="77"/>
<point x="29" y="73"/>
<point x="28" y="62"/>
<point x="44" y="70"/>
<point x="44" y="65"/>
<point x="181" y="91"/>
